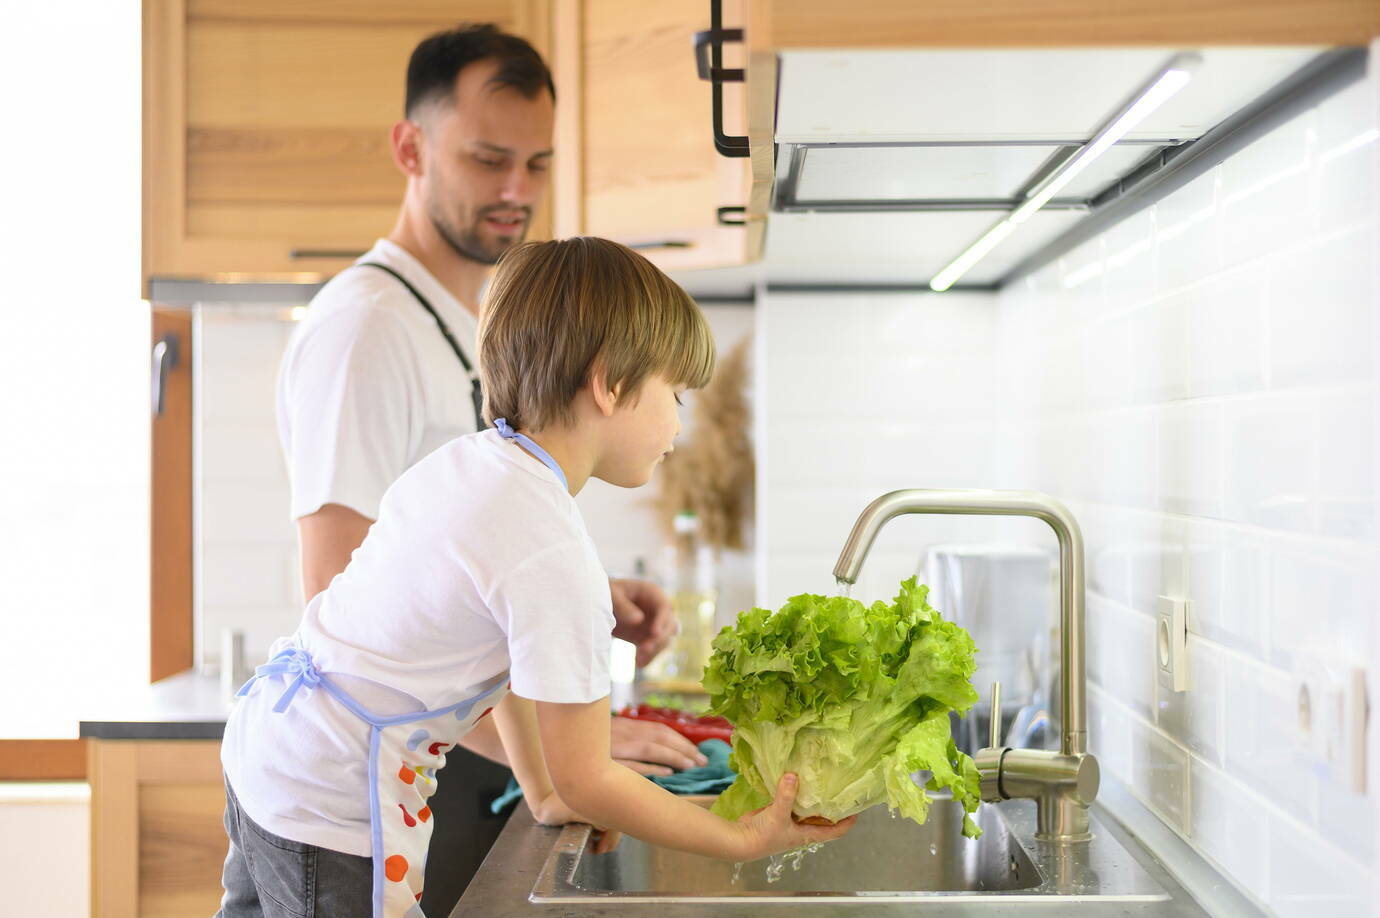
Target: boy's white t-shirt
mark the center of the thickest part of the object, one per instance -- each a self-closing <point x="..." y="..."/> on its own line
<point x="368" y="384"/>
<point x="479" y="563"/>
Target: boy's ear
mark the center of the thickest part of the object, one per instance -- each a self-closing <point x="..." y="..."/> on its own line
<point x="605" y="399"/>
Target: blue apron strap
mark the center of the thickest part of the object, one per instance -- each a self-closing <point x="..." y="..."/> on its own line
<point x="375" y="822"/>
<point x="507" y="433"/>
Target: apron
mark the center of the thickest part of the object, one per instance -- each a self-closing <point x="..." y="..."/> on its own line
<point x="405" y="753"/>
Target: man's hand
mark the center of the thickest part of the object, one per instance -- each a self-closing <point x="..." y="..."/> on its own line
<point x="643" y="617"/>
<point x="652" y="749"/>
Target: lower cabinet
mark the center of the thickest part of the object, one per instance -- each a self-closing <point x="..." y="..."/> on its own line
<point x="157" y="837"/>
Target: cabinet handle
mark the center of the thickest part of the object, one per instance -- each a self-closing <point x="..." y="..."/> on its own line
<point x="731" y="216"/>
<point x="709" y="52"/>
<point x="662" y="244"/>
<point x="325" y="253"/>
<point x="165" y="354"/>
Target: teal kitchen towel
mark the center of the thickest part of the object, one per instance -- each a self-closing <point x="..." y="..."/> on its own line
<point x="707" y="779"/>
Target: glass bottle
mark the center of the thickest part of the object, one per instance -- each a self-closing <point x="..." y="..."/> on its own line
<point x="690" y="579"/>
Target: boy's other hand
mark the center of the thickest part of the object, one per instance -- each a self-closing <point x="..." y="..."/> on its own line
<point x="643" y="617"/>
<point x="773" y="829"/>
<point x="651" y="749"/>
<point x="552" y="811"/>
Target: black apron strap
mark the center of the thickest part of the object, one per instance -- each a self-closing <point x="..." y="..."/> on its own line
<point x="476" y="393"/>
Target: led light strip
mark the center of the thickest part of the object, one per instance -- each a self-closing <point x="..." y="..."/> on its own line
<point x="1173" y="76"/>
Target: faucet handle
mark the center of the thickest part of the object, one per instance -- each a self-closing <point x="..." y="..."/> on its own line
<point x="994" y="726"/>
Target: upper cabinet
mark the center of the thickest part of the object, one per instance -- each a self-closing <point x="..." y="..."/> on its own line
<point x="635" y="150"/>
<point x="784" y="24"/>
<point x="266" y="126"/>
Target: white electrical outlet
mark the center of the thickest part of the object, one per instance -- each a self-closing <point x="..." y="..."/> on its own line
<point x="1171" y="643"/>
<point x="1333" y="715"/>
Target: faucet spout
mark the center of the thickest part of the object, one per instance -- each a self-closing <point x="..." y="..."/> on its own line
<point x="1066" y="800"/>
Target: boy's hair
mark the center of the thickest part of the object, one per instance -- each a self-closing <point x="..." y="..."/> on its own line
<point x="557" y="309"/>
<point x="438" y="60"/>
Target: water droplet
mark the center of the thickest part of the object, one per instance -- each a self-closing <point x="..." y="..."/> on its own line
<point x="737" y="873"/>
<point x="934" y="847"/>
<point x="776" y="863"/>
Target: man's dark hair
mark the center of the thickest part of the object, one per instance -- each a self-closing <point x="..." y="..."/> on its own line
<point x="438" y="60"/>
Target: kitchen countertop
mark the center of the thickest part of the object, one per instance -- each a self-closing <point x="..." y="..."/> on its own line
<point x="187" y="706"/>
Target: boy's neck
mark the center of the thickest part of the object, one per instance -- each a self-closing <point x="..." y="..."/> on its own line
<point x="570" y="451"/>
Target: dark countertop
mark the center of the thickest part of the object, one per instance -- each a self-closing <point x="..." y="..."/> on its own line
<point x="186" y="706"/>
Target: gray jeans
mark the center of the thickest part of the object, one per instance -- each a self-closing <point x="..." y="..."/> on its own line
<point x="267" y="876"/>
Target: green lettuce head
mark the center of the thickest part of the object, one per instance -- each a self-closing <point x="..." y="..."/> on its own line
<point x="853" y="699"/>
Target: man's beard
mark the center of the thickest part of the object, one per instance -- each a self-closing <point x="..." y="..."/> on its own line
<point x="468" y="243"/>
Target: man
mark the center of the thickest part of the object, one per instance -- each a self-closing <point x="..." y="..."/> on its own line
<point x="381" y="370"/>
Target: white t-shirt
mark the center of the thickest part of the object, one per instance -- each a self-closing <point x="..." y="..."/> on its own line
<point x="369" y="385"/>
<point x="479" y="563"/>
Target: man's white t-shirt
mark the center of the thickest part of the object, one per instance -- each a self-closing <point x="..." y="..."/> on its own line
<point x="369" y="385"/>
<point x="479" y="563"/>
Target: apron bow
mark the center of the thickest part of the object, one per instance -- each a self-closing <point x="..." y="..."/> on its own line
<point x="293" y="662"/>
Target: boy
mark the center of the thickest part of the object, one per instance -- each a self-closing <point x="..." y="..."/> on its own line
<point x="478" y="578"/>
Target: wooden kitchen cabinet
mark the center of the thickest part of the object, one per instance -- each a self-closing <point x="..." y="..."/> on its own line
<point x="157" y="837"/>
<point x="266" y="126"/>
<point x="635" y="152"/>
<point x="783" y="24"/>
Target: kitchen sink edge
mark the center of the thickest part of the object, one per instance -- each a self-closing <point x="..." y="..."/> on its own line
<point x="1166" y="868"/>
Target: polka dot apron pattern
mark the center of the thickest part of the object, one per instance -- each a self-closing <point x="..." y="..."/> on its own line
<point x="405" y="753"/>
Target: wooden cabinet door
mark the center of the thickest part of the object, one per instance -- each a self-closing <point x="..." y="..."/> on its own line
<point x="158" y="842"/>
<point x="267" y="122"/>
<point x="650" y="172"/>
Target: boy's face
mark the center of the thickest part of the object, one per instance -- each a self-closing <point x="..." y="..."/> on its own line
<point x="641" y="435"/>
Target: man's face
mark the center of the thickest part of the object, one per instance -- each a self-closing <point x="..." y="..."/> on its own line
<point x="487" y="157"/>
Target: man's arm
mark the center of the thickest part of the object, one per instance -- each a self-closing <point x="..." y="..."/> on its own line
<point x="328" y="537"/>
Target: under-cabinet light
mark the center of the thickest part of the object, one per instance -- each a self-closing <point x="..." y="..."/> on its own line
<point x="1171" y="78"/>
<point x="971" y="256"/>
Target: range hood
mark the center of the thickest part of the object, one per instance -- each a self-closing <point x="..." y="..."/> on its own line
<point x="889" y="164"/>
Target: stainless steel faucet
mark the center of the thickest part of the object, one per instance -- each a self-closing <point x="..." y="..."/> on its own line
<point x="1064" y="783"/>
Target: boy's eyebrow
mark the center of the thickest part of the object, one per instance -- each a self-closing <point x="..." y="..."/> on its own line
<point x="495" y="148"/>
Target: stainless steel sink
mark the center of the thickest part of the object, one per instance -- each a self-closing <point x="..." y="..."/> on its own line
<point x="882" y="858"/>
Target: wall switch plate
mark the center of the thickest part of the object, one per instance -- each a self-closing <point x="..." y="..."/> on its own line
<point x="1171" y="643"/>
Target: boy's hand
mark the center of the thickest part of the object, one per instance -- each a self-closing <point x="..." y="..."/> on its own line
<point x="643" y="617"/>
<point x="773" y="829"/>
<point x="553" y="812"/>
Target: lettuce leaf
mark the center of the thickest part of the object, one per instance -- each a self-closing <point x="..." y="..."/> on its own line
<point x="855" y="699"/>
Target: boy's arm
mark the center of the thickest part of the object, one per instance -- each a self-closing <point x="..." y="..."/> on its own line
<point x="581" y="772"/>
<point x="516" y="722"/>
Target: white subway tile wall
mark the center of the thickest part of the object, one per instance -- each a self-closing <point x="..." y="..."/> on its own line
<point x="1234" y="427"/>
<point x="857" y="396"/>
<point x="1199" y="385"/>
<point x="246" y="559"/>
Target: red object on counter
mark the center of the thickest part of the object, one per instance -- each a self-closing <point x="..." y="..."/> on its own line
<point x="695" y="729"/>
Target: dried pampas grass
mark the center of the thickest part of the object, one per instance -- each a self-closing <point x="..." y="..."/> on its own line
<point x="712" y="473"/>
